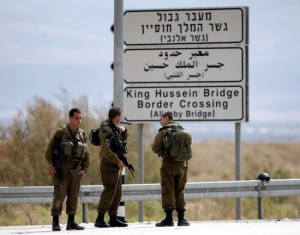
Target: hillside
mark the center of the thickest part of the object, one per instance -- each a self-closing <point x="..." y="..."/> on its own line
<point x="214" y="160"/>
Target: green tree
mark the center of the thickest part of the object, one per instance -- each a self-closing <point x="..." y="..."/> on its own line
<point x="23" y="144"/>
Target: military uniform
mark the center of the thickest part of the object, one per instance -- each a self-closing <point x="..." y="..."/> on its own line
<point x="173" y="176"/>
<point x="173" y="179"/>
<point x="110" y="173"/>
<point x="76" y="158"/>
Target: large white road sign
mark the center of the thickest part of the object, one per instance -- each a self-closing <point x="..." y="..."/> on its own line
<point x="205" y="103"/>
<point x="193" y="62"/>
<point x="184" y="65"/>
<point x="185" y="26"/>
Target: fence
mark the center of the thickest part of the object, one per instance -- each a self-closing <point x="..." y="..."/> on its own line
<point x="150" y="192"/>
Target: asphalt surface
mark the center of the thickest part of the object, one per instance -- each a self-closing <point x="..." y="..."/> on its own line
<point x="241" y="227"/>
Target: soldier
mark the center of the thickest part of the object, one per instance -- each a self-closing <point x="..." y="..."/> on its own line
<point x="173" y="176"/>
<point x="69" y="142"/>
<point x="110" y="169"/>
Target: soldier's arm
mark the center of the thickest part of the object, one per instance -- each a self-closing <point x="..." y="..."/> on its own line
<point x="158" y="143"/>
<point x="87" y="159"/>
<point x="106" y="151"/>
<point x="49" y="154"/>
<point x="124" y="132"/>
<point x="49" y="150"/>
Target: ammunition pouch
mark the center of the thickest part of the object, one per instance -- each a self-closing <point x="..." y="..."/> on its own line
<point x="75" y="149"/>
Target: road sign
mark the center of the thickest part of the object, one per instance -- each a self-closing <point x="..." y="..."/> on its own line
<point x="200" y="103"/>
<point x="184" y="65"/>
<point x="185" y="26"/>
<point x="192" y="62"/>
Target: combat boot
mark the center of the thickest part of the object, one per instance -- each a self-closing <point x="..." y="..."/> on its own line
<point x="181" y="220"/>
<point x="115" y="222"/>
<point x="72" y="225"/>
<point x="168" y="221"/>
<point x="55" y="223"/>
<point x="100" y="223"/>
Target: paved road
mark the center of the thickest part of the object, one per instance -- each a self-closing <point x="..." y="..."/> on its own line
<point x="243" y="227"/>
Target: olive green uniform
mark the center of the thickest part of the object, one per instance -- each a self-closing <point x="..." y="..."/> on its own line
<point x="173" y="175"/>
<point x="76" y="157"/>
<point x="110" y="172"/>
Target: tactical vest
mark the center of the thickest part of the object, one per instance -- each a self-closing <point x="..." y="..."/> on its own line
<point x="73" y="146"/>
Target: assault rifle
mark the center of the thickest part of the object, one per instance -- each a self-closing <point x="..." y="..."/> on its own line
<point x="58" y="160"/>
<point x="127" y="164"/>
<point x="119" y="147"/>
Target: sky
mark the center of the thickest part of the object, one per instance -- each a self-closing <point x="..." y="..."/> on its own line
<point x="47" y="45"/>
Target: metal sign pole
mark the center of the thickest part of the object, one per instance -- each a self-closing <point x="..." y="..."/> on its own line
<point x="238" y="206"/>
<point x="118" y="55"/>
<point x="140" y="142"/>
<point x="118" y="76"/>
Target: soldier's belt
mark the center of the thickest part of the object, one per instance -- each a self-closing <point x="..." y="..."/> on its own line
<point x="71" y="159"/>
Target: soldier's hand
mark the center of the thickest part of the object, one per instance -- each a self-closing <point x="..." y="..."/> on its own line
<point x="51" y="170"/>
<point x="82" y="172"/>
<point x="121" y="129"/>
<point x="121" y="165"/>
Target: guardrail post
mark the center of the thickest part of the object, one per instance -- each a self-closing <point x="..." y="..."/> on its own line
<point x="260" y="208"/>
<point x="259" y="199"/>
<point x="262" y="179"/>
<point x="85" y="208"/>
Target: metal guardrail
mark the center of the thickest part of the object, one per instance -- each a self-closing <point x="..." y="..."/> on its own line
<point x="150" y="192"/>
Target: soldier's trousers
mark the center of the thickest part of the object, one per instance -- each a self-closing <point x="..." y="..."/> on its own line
<point x="112" y="192"/>
<point x="173" y="180"/>
<point x="68" y="187"/>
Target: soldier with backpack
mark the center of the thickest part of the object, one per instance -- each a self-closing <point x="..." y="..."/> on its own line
<point x="68" y="159"/>
<point x="173" y="144"/>
<point x="113" y="149"/>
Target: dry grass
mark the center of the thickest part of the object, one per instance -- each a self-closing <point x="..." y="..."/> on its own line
<point x="213" y="160"/>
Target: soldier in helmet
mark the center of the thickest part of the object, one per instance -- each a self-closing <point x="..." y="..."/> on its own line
<point x="68" y="157"/>
<point x="173" y="176"/>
